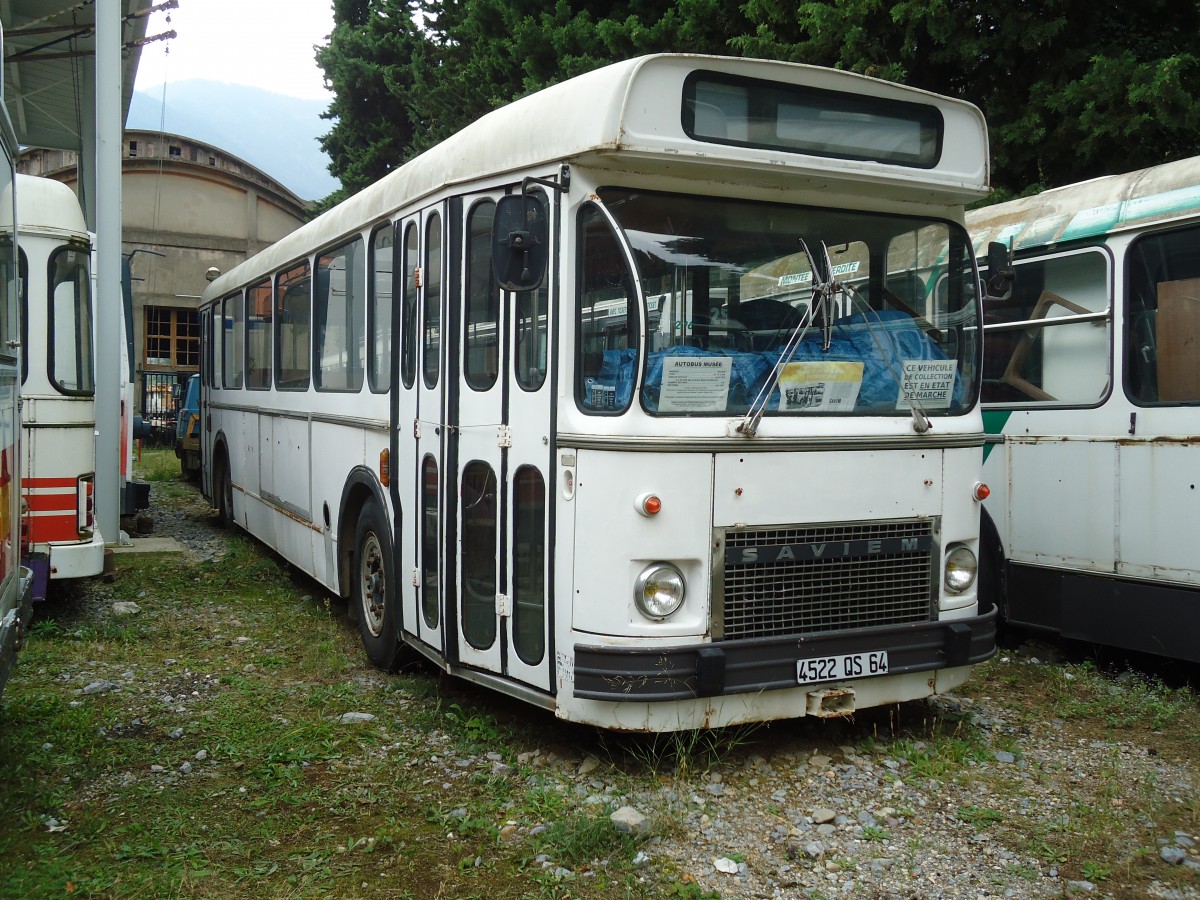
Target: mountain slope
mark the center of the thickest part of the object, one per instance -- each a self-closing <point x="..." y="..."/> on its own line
<point x="273" y="132"/>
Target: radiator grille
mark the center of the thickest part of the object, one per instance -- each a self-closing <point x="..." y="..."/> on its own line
<point x="828" y="578"/>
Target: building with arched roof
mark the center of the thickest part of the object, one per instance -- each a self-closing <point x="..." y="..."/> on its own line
<point x="188" y="208"/>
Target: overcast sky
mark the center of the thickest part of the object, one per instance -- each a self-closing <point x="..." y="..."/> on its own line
<point x="265" y="43"/>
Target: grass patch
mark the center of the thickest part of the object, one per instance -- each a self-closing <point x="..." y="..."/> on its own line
<point x="157" y="464"/>
<point x="197" y="748"/>
<point x="583" y="837"/>
<point x="1111" y="804"/>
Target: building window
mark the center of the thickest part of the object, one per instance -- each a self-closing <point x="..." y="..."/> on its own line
<point x="172" y="338"/>
<point x="133" y="148"/>
<point x="176" y="152"/>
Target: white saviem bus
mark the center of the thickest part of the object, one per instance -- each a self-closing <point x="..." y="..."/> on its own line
<point x="650" y="398"/>
<point x="58" y="413"/>
<point x="1092" y="403"/>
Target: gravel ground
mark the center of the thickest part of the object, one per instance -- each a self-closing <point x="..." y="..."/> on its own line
<point x="803" y="810"/>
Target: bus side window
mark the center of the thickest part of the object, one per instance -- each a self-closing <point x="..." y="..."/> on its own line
<point x="292" y="288"/>
<point x="431" y="354"/>
<point x="533" y="311"/>
<point x="481" y="361"/>
<point x="339" y="307"/>
<point x="232" y="338"/>
<point x="1044" y="361"/>
<point x="10" y="290"/>
<point x="479" y="524"/>
<point x="1163" y="319"/>
<point x="529" y="565"/>
<point x="606" y="324"/>
<point x="430" y="532"/>
<point x="379" y="309"/>
<point x="71" y="366"/>
<point x="408" y="314"/>
<point x="258" y="336"/>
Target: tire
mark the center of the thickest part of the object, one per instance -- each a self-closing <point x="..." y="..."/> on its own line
<point x="373" y="590"/>
<point x="223" y="489"/>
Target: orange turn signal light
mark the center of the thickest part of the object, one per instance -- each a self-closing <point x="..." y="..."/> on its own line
<point x="649" y="504"/>
<point x="982" y="491"/>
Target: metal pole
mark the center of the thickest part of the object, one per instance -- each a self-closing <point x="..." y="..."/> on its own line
<point x="108" y="268"/>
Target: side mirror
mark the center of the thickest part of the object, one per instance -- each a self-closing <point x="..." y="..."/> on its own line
<point x="1000" y="271"/>
<point x="519" y="254"/>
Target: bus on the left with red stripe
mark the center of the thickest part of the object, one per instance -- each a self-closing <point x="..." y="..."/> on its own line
<point x="60" y="537"/>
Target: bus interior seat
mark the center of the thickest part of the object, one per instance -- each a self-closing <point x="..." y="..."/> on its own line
<point x="769" y="320"/>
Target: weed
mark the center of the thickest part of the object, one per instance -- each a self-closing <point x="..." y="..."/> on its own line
<point x="583" y="836"/>
<point x="687" y="753"/>
<point x="1024" y="871"/>
<point x="689" y="890"/>
<point x="979" y="815"/>
<point x="475" y="728"/>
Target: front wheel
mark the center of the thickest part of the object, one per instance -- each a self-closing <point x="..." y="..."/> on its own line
<point x="223" y="489"/>
<point x="374" y="587"/>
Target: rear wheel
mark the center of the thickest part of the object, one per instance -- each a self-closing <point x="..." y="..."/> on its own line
<point x="372" y="600"/>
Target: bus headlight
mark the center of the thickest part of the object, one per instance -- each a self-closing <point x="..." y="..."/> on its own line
<point x="961" y="567"/>
<point x="659" y="590"/>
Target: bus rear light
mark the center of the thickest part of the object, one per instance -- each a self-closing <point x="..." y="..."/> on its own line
<point x="982" y="491"/>
<point x="648" y="504"/>
<point x="85" y="512"/>
<point x="385" y="467"/>
<point x="25" y="544"/>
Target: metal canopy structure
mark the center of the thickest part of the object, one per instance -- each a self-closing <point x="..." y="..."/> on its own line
<point x="49" y="66"/>
<point x="69" y="68"/>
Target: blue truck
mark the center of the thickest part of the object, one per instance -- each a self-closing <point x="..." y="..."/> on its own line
<point x="187" y="430"/>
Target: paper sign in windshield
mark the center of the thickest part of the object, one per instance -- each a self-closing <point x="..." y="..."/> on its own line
<point x="820" y="386"/>
<point x="695" y="384"/>
<point x="930" y="382"/>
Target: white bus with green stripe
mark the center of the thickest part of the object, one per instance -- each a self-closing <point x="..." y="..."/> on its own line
<point x="1091" y="392"/>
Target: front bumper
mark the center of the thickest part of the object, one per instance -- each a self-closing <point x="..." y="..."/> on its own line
<point x="764" y="664"/>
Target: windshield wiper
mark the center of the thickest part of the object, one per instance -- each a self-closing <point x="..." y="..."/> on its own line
<point x="823" y="290"/>
<point x="921" y="422"/>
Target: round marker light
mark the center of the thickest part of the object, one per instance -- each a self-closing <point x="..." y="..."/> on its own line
<point x="961" y="567"/>
<point x="982" y="491"/>
<point x="648" y="504"/>
<point x="659" y="591"/>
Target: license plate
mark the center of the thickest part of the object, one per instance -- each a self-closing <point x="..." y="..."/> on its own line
<point x="835" y="668"/>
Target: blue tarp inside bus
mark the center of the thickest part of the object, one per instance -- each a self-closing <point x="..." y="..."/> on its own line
<point x="880" y="342"/>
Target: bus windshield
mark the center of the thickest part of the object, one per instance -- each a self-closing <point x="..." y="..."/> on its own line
<point x="731" y="319"/>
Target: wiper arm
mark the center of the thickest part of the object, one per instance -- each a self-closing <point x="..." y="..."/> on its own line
<point x="921" y="422"/>
<point x="823" y="290"/>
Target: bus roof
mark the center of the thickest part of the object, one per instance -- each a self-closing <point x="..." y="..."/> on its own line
<point x="615" y="117"/>
<point x="1091" y="208"/>
<point x="44" y="205"/>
